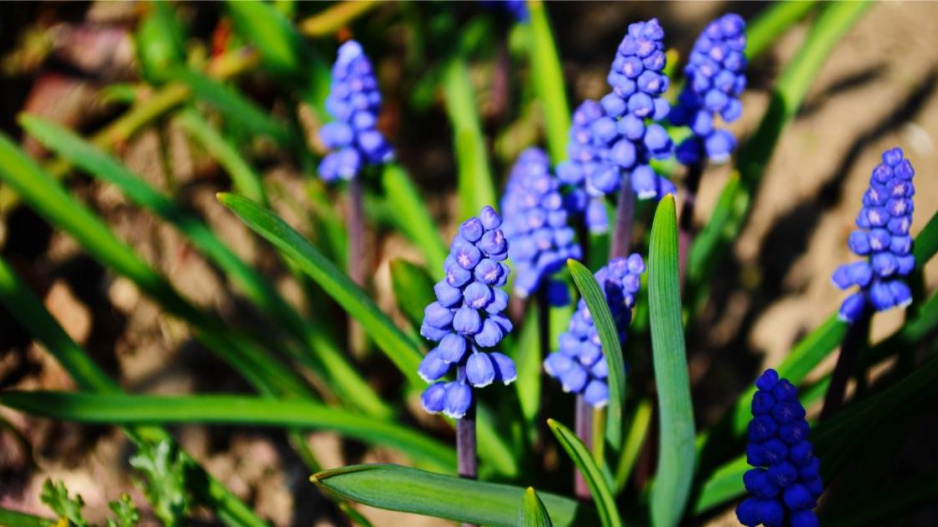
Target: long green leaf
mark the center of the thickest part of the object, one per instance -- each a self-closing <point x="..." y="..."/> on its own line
<point x="404" y="489"/>
<point x="583" y="459"/>
<point x="399" y="348"/>
<point x="228" y="409"/>
<point x="50" y="199"/>
<point x="414" y="218"/>
<point x="533" y="513"/>
<point x="548" y="81"/>
<point x="476" y="186"/>
<point x="771" y="23"/>
<point x="595" y="300"/>
<point x="11" y="518"/>
<point x="23" y="305"/>
<point x="676" y="453"/>
<point x="282" y="48"/>
<point x="412" y="288"/>
<point x="634" y="440"/>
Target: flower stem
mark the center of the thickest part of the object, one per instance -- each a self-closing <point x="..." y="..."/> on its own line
<point x="622" y="232"/>
<point x="686" y="226"/>
<point x="468" y="465"/>
<point x="584" y="431"/>
<point x="356" y="255"/>
<point x="855" y="340"/>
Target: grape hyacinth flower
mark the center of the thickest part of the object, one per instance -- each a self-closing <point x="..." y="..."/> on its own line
<point x="715" y="77"/>
<point x="354" y="102"/>
<point x="536" y="222"/>
<point x="785" y="484"/>
<point x="618" y="137"/>
<point x="580" y="364"/>
<point x="466" y="320"/>
<point x="883" y="237"/>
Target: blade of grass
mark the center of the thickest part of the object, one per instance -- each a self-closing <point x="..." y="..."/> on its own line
<point x="765" y="29"/>
<point x="595" y="300"/>
<point x="404" y="489"/>
<point x="634" y="440"/>
<point x="476" y="186"/>
<point x="676" y="453"/>
<point x="413" y="217"/>
<point x="11" y="518"/>
<point x="282" y="48"/>
<point x="231" y="410"/>
<point x="336" y="17"/>
<point x="533" y="513"/>
<point x="26" y="309"/>
<point x="583" y="459"/>
<point x="547" y="78"/>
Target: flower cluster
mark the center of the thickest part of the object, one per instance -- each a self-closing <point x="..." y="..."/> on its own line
<point x="536" y="222"/>
<point x="883" y="236"/>
<point x="580" y="364"/>
<point x="467" y="318"/>
<point x="716" y="76"/>
<point x="786" y="482"/>
<point x="354" y="102"/>
<point x="617" y="136"/>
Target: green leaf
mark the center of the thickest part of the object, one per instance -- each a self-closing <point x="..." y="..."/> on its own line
<point x="398" y="347"/>
<point x="56" y="497"/>
<point x="533" y="513"/>
<point x="412" y="288"/>
<point x="676" y="453"/>
<point x="765" y="29"/>
<point x="413" y="217"/>
<point x="638" y="430"/>
<point x="125" y="513"/>
<point x="605" y="501"/>
<point x="282" y="48"/>
<point x="26" y="309"/>
<point x="598" y="307"/>
<point x="232" y="104"/>
<point x="548" y="81"/>
<point x="11" y="518"/>
<point x="527" y="356"/>
<point x="163" y="468"/>
<point x="476" y="186"/>
<point x="404" y="489"/>
<point x="160" y="42"/>
<point x="230" y="410"/>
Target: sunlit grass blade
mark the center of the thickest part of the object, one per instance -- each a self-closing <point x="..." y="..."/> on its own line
<point x="595" y="300"/>
<point x="476" y="185"/>
<point x="833" y="22"/>
<point x="547" y="78"/>
<point x="11" y="518"/>
<point x="230" y="410"/>
<point x="533" y="513"/>
<point x="404" y="489"/>
<point x="245" y="179"/>
<point x="399" y="348"/>
<point x="233" y="105"/>
<point x="413" y="217"/>
<point x="26" y="309"/>
<point x="583" y="459"/>
<point x="676" y="452"/>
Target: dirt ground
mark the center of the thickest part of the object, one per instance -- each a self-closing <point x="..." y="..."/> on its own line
<point x="877" y="91"/>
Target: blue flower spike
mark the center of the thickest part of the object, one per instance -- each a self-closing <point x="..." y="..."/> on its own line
<point x="716" y="76"/>
<point x="580" y="364"/>
<point x="536" y="224"/>
<point x="883" y="238"/>
<point x="467" y="319"/>
<point x="618" y="137"/>
<point x="785" y="483"/>
<point x="354" y="102"/>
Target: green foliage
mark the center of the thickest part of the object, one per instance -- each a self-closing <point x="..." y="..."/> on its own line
<point x="164" y="484"/>
<point x="55" y="496"/>
<point x="125" y="513"/>
<point x="533" y="513"/>
<point x="583" y="459"/>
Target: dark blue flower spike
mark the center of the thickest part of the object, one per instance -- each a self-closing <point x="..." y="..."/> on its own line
<point x="716" y="76"/>
<point x="466" y="320"/>
<point x="536" y="223"/>
<point x="786" y="483"/>
<point x="883" y="238"/>
<point x="580" y="364"/>
<point x="354" y="102"/>
<point x="618" y="136"/>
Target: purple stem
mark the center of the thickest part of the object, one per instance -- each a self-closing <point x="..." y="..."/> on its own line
<point x="622" y="232"/>
<point x="584" y="430"/>
<point x="856" y="339"/>
<point x="356" y="254"/>
<point x="468" y="464"/>
<point x="686" y="222"/>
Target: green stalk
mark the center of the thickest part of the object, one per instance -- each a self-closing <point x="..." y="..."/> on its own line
<point x="547" y="78"/>
<point x="771" y="23"/>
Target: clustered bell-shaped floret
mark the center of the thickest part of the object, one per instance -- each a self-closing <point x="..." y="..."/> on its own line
<point x="618" y="136"/>
<point x="786" y="483"/>
<point x="466" y="320"/>
<point x="716" y="76"/>
<point x="580" y="364"/>
<point x="354" y="102"/>
<point x="536" y="222"/>
<point x="883" y="237"/>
